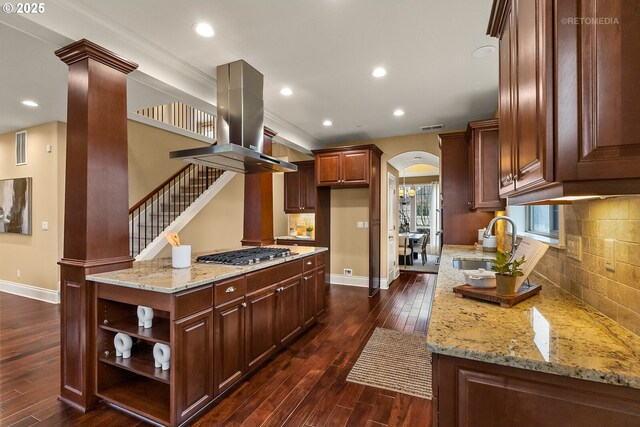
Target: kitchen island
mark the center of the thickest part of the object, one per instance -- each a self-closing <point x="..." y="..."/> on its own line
<point x="550" y="360"/>
<point x="220" y="322"/>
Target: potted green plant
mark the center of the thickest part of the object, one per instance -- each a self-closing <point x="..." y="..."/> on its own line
<point x="309" y="230"/>
<point x="507" y="273"/>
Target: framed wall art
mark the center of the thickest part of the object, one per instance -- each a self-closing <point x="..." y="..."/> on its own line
<point x="15" y="205"/>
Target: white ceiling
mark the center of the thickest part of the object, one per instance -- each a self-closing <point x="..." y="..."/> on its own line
<point x="323" y="49"/>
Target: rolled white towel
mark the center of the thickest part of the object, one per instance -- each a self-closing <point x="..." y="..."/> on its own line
<point x="162" y="356"/>
<point x="145" y="316"/>
<point x="123" y="343"/>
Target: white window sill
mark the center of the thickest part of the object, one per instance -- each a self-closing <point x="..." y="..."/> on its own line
<point x="554" y="243"/>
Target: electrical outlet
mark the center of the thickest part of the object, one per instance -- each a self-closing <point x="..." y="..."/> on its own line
<point x="574" y="247"/>
<point x="609" y="254"/>
<point x="18" y="274"/>
<point x="348" y="272"/>
<point x="360" y="224"/>
<point x="45" y="225"/>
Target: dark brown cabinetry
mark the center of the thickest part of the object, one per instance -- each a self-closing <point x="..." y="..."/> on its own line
<point x="295" y="242"/>
<point x="217" y="333"/>
<point x="459" y="224"/>
<point x="194" y="360"/>
<point x="229" y="344"/>
<point x="344" y="168"/>
<point x="300" y="189"/>
<point x="559" y="69"/>
<point x="471" y="393"/>
<point x="288" y="309"/>
<point x="484" y="176"/>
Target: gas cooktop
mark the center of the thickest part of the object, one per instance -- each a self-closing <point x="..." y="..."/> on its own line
<point x="244" y="256"/>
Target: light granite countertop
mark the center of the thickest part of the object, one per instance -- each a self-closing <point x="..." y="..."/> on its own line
<point x="158" y="275"/>
<point x="552" y="332"/>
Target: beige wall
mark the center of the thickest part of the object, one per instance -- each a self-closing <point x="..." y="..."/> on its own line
<point x="36" y="256"/>
<point x="349" y="244"/>
<point x="391" y="147"/>
<point x="614" y="293"/>
<point x="219" y="224"/>
<point x="149" y="162"/>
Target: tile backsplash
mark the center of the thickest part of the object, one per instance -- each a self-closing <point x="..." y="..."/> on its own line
<point x="614" y="293"/>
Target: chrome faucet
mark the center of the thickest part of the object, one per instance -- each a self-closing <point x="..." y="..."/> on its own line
<point x="514" y="235"/>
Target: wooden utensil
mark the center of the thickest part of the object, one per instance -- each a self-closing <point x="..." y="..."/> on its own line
<point x="173" y="239"/>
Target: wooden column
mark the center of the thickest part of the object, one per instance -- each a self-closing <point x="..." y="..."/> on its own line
<point x="96" y="235"/>
<point x="258" y="203"/>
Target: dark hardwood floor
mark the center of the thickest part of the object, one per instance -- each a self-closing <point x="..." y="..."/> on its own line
<point x="304" y="385"/>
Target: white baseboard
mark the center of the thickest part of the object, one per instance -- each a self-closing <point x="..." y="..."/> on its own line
<point x="28" y="291"/>
<point x="358" y="281"/>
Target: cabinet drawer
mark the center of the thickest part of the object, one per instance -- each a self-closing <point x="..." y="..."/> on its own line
<point x="309" y="263"/>
<point x="230" y="290"/>
<point x="320" y="259"/>
<point x="192" y="301"/>
<point x="271" y="275"/>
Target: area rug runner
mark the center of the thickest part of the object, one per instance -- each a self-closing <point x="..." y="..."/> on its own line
<point x="396" y="361"/>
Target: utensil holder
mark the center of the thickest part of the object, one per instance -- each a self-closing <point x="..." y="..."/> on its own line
<point x="181" y="256"/>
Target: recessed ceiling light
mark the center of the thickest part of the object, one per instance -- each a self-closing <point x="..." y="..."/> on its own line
<point x="483" y="51"/>
<point x="398" y="113"/>
<point x="417" y="158"/>
<point x="204" y="29"/>
<point x="327" y="123"/>
<point x="29" y="103"/>
<point x="379" y="72"/>
<point x="286" y="91"/>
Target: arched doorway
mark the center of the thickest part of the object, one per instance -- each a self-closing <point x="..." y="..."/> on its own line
<point x="414" y="206"/>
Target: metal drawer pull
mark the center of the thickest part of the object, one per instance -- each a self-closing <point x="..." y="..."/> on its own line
<point x="244" y="304"/>
<point x="309" y="263"/>
<point x="230" y="289"/>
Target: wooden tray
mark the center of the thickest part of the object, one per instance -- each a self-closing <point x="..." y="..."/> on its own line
<point x="526" y="291"/>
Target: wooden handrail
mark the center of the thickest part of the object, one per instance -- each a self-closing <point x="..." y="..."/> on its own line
<point x="157" y="189"/>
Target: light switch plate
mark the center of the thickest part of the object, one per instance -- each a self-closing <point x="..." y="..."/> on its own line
<point x="45" y="225"/>
<point x="609" y="254"/>
<point x="574" y="247"/>
<point x="360" y="224"/>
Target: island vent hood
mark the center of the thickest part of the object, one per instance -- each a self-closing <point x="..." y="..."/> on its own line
<point x="239" y="126"/>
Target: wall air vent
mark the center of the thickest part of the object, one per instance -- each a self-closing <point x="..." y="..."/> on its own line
<point x="21" y="148"/>
<point x="431" y="127"/>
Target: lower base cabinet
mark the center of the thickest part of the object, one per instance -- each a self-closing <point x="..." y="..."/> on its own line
<point x="470" y="393"/>
<point x="218" y="334"/>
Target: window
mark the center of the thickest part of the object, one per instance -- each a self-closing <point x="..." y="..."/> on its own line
<point x="21" y="148"/>
<point x="543" y="220"/>
<point x="415" y="215"/>
<point x="540" y="222"/>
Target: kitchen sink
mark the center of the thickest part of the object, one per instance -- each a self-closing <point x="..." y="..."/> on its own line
<point x="471" y="264"/>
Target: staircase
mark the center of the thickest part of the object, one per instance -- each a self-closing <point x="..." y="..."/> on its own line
<point x="161" y="210"/>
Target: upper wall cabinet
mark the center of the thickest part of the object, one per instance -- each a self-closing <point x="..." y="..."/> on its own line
<point x="300" y="189"/>
<point x="598" y="92"/>
<point x="526" y="88"/>
<point x="343" y="167"/>
<point x="484" y="152"/>
<point x="569" y="116"/>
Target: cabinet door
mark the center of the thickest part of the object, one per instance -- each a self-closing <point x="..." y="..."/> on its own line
<point x="598" y="109"/>
<point x="320" y="290"/>
<point x="261" y="337"/>
<point x="228" y="344"/>
<point x="193" y="364"/>
<point x="355" y="167"/>
<point x="292" y="199"/>
<point x="308" y="189"/>
<point x="308" y="298"/>
<point x="506" y="104"/>
<point x="289" y="312"/>
<point x="328" y="169"/>
<point x="484" y="154"/>
<point x="534" y="111"/>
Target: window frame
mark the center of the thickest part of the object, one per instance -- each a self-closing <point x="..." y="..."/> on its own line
<point x="554" y="226"/>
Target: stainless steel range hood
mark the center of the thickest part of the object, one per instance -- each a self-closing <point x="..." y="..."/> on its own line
<point x="239" y="126"/>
